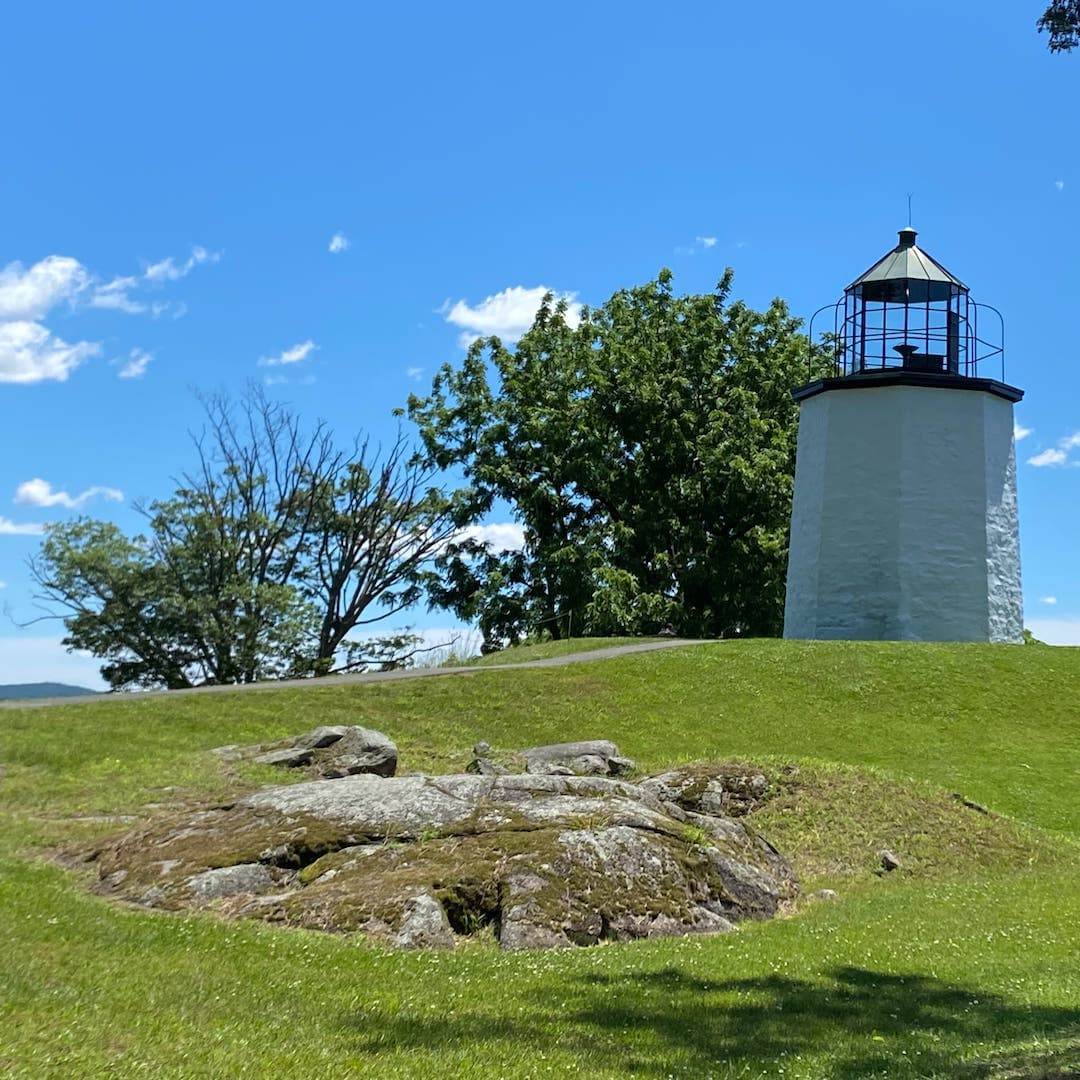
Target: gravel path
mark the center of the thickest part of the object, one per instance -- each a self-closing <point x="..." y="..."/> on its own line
<point x="353" y="680"/>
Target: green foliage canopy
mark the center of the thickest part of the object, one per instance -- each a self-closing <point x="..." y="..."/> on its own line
<point x="1061" y="20"/>
<point x="648" y="453"/>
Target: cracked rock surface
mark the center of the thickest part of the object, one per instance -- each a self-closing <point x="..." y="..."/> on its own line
<point x="536" y="860"/>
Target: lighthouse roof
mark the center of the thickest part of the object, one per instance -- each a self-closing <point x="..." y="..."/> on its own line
<point x="907" y="262"/>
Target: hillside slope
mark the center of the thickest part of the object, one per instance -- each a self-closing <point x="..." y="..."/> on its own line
<point x="962" y="965"/>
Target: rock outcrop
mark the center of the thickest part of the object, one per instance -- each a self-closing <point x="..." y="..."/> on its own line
<point x="327" y="752"/>
<point x="538" y="860"/>
<point x="594" y="757"/>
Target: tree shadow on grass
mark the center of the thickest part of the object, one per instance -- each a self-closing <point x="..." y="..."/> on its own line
<point x="857" y="1023"/>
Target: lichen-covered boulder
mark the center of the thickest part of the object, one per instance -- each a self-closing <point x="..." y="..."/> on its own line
<point x="424" y="924"/>
<point x="591" y="757"/>
<point x="327" y="752"/>
<point x="240" y="880"/>
<point x="419" y="861"/>
<point x="359" y="750"/>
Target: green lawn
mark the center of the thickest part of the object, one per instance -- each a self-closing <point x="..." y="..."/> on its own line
<point x="964" y="964"/>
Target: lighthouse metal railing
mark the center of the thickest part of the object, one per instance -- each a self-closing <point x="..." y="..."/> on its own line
<point x="934" y="336"/>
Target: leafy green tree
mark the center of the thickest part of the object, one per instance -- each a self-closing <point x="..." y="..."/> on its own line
<point x="648" y="453"/>
<point x="266" y="558"/>
<point x="118" y="604"/>
<point x="1061" y="20"/>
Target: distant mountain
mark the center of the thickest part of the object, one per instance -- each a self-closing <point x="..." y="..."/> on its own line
<point x="42" y="689"/>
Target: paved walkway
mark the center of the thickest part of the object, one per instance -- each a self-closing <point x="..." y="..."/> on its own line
<point x="363" y="679"/>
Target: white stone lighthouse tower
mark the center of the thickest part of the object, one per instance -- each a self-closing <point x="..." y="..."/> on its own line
<point x="904" y="523"/>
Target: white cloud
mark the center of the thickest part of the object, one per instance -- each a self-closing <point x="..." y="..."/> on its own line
<point x="168" y="269"/>
<point x="1048" y="600"/>
<point x="701" y="243"/>
<point x="44" y="659"/>
<point x="414" y="373"/>
<point x="28" y="528"/>
<point x="38" y="492"/>
<point x="1060" y="185"/>
<point x="30" y="294"/>
<point x="1058" y="455"/>
<point x="1064" y="631"/>
<point x="3" y="584"/>
<point x="114" y="296"/>
<point x="1048" y="457"/>
<point x="500" y="536"/>
<point x="295" y="355"/>
<point x="30" y="353"/>
<point x="507" y="314"/>
<point x="1019" y="431"/>
<point x="135" y="367"/>
<point x="339" y="242"/>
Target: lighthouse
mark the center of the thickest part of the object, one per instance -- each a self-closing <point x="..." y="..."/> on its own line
<point x="904" y="518"/>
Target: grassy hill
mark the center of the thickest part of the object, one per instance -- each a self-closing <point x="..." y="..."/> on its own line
<point x="966" y="963"/>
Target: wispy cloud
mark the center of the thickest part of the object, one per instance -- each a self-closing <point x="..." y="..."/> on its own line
<point x="507" y="314"/>
<point x="29" y="528"/>
<point x="168" y="269"/>
<point x="701" y="243"/>
<point x="415" y="373"/>
<point x="38" y="492"/>
<point x="1048" y="600"/>
<point x="136" y="364"/>
<point x="1019" y="431"/>
<point x="113" y="296"/>
<point x="1058" y="455"/>
<point x="1048" y="457"/>
<point x="175" y="309"/>
<point x="339" y="242"/>
<point x="1060" y="185"/>
<point x="296" y="355"/>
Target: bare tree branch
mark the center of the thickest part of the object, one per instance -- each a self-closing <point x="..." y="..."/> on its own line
<point x="272" y="548"/>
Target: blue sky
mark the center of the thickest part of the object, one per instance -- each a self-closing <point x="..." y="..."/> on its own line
<point x="175" y="177"/>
